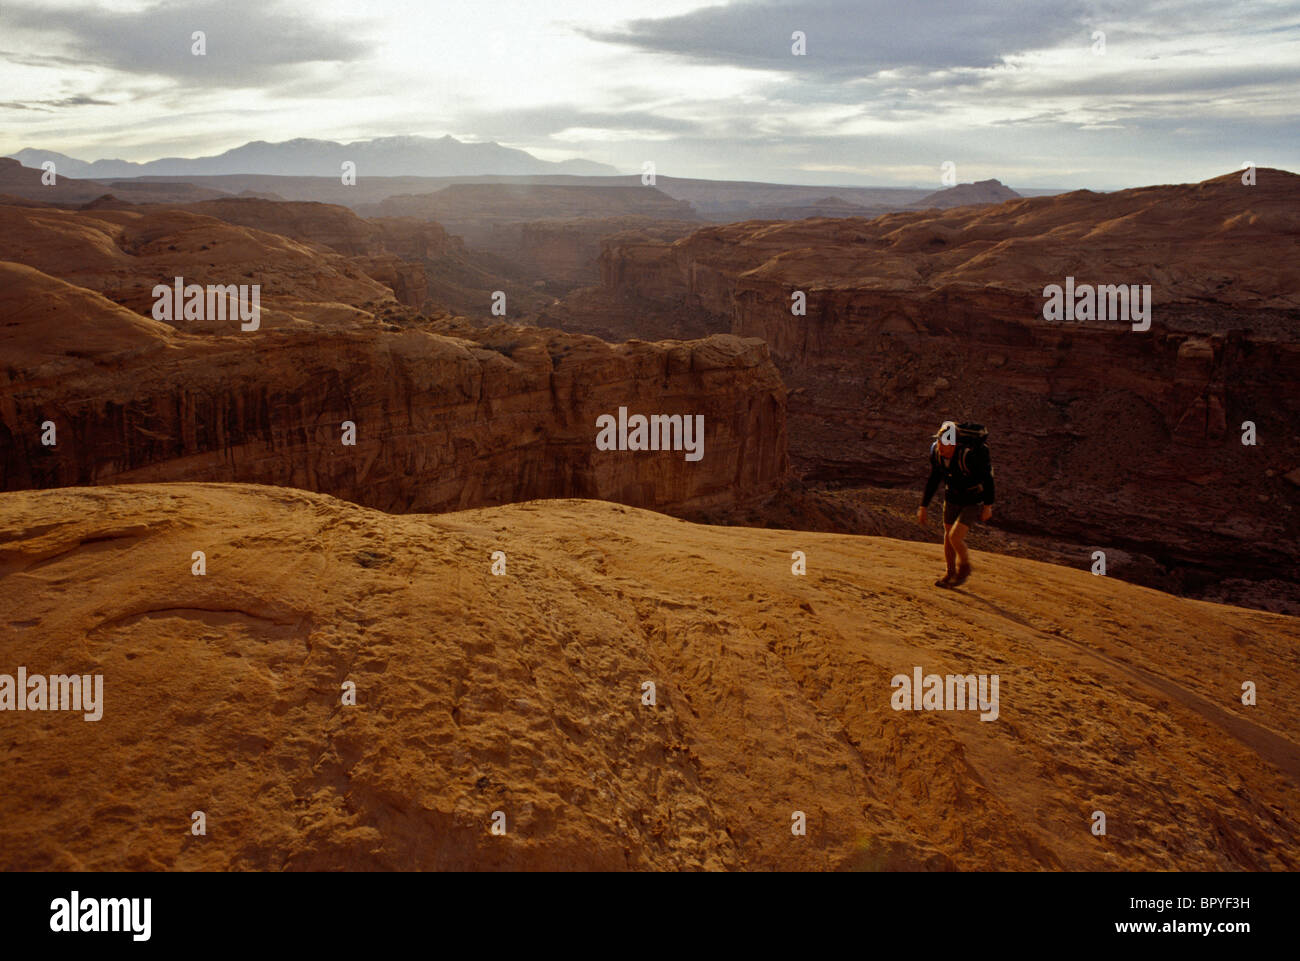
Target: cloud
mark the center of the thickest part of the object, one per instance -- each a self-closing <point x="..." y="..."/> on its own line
<point x="249" y="42"/>
<point x="1185" y="88"/>
<point x="858" y="38"/>
<point x="1186" y="80"/>
<point x="47" y="105"/>
<point x="26" y="59"/>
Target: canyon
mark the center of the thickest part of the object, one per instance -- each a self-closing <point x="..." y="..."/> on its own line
<point x="548" y="235"/>
<point x="1104" y="438"/>
<point x="443" y="420"/>
<point x="384" y="490"/>
<point x="446" y="414"/>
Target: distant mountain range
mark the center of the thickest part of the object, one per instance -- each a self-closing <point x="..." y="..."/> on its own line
<point x="381" y="157"/>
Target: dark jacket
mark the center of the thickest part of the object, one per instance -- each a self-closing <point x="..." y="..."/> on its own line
<point x="967" y="477"/>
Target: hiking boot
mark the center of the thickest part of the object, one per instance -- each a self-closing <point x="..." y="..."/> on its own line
<point x="963" y="575"/>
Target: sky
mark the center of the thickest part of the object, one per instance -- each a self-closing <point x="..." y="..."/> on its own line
<point x="1051" y="93"/>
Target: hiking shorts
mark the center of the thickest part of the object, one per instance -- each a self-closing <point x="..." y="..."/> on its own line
<point x="968" y="514"/>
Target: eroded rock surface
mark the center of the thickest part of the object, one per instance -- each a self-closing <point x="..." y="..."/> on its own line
<point x="522" y="693"/>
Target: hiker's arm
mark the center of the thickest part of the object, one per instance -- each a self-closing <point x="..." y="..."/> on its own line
<point x="988" y="478"/>
<point x="932" y="484"/>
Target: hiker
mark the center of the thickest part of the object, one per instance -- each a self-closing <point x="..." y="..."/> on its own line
<point x="959" y="457"/>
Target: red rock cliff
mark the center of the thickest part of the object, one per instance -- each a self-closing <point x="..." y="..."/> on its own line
<point x="442" y="422"/>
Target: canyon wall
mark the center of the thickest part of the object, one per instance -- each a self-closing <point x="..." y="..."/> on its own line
<point x="442" y="422"/>
<point x="1104" y="435"/>
<point x="446" y="415"/>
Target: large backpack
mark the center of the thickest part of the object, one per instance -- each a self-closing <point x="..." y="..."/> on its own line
<point x="970" y="437"/>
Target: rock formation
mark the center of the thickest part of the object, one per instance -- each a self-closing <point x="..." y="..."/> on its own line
<point x="124" y="253"/>
<point x="525" y="693"/>
<point x="441" y="421"/>
<point x="1108" y="437"/>
<point x="418" y="259"/>
<point x="962" y="195"/>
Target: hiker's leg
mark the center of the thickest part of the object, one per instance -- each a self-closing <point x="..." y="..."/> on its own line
<point x="957" y="538"/>
<point x="949" y="553"/>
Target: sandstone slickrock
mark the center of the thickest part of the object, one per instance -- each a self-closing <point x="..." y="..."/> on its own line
<point x="522" y="693"/>
<point x="1104" y="436"/>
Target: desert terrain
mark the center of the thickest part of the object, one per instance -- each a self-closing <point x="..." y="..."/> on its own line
<point x="522" y="692"/>
<point x="397" y="489"/>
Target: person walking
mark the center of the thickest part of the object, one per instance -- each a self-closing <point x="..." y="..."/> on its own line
<point x="959" y="456"/>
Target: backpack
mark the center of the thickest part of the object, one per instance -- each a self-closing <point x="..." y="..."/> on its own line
<point x="970" y="436"/>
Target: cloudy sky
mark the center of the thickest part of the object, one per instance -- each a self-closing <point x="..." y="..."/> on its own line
<point x="1178" y="90"/>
